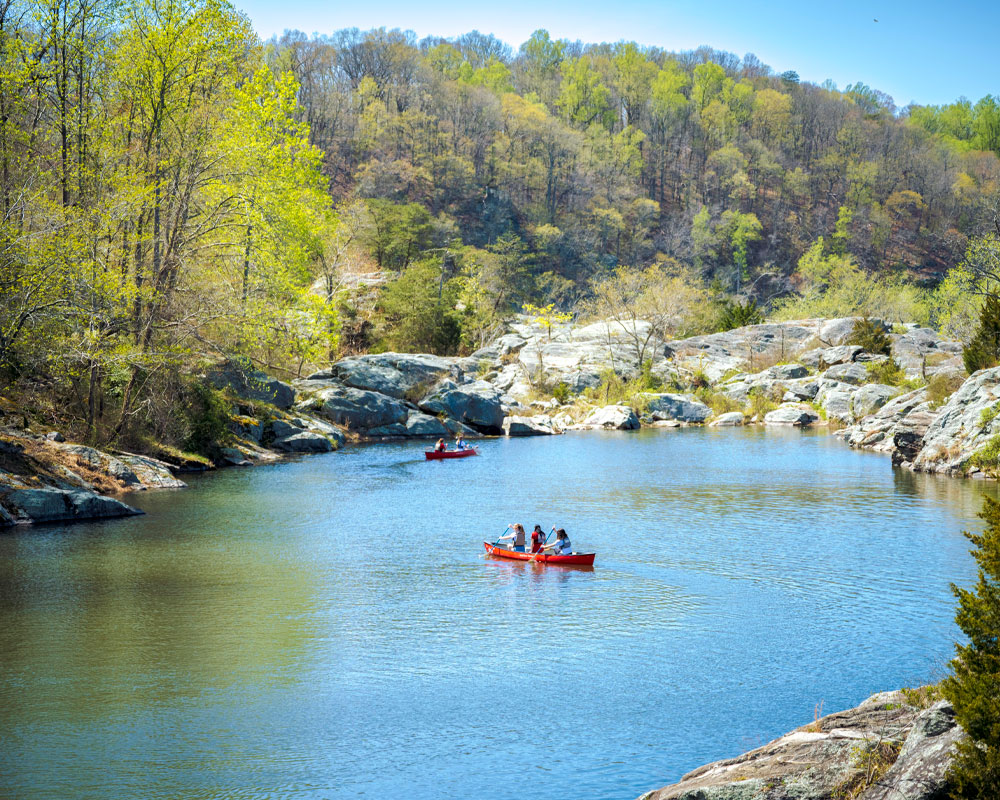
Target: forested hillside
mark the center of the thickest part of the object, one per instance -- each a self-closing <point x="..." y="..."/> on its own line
<point x="173" y="191"/>
<point x="598" y="155"/>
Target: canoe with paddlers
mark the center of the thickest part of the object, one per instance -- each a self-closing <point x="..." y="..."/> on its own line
<point x="433" y="455"/>
<point x="571" y="560"/>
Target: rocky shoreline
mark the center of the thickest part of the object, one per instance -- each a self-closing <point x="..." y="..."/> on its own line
<point x="544" y="380"/>
<point x="894" y="746"/>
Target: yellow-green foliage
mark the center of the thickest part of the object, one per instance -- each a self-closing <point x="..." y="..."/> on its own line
<point x="987" y="415"/>
<point x="759" y="404"/>
<point x="615" y="390"/>
<point x="836" y="286"/>
<point x="922" y="696"/>
<point x="987" y="457"/>
<point x="719" y="403"/>
<point x="889" y="373"/>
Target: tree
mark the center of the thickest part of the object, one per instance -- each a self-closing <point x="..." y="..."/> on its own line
<point x="983" y="351"/>
<point x="975" y="671"/>
<point x="412" y="318"/>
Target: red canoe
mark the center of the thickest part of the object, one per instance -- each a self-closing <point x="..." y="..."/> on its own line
<point x="432" y="455"/>
<point x="574" y="559"/>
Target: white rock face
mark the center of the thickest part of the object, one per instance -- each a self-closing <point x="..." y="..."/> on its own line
<point x="538" y="425"/>
<point x="620" y="418"/>
<point x="729" y="419"/>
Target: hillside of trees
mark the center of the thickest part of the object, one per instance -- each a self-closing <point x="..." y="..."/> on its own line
<point x="174" y="191"/>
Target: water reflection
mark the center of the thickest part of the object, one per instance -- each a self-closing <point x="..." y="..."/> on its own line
<point x="331" y="629"/>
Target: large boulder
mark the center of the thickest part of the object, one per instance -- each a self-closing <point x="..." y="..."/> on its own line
<point x="871" y="397"/>
<point x="302" y="442"/>
<point x="729" y="419"/>
<point x="538" y="425"/>
<point x="356" y="409"/>
<point x="681" y="407"/>
<point x="478" y="404"/>
<point x="620" y="418"/>
<point x="791" y="414"/>
<point x="151" y="472"/>
<point x="398" y="375"/>
<point x="837" y="405"/>
<point x="853" y="373"/>
<point x="250" y="383"/>
<point x="418" y="424"/>
<point x="57" y="505"/>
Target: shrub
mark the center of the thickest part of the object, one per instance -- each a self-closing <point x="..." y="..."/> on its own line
<point x="987" y="457"/>
<point x="734" y="314"/>
<point x="987" y="415"/>
<point x="207" y="412"/>
<point x="888" y="372"/>
<point x="759" y="404"/>
<point x="971" y="686"/>
<point x="717" y="401"/>
<point x="942" y="386"/>
<point x="871" y="336"/>
<point x="561" y="391"/>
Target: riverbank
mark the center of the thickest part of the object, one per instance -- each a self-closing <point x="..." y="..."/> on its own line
<point x="912" y="401"/>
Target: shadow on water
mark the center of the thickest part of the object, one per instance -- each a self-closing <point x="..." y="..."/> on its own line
<point x="331" y="628"/>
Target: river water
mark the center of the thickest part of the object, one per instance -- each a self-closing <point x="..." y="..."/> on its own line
<point x="328" y="628"/>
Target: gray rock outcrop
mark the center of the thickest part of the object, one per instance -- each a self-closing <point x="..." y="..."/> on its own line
<point x="60" y="505"/>
<point x="960" y="427"/>
<point x="829" y="757"/>
<point x="355" y="409"/>
<point x="727" y="420"/>
<point x="621" y="418"/>
<point x="477" y="404"/>
<point x="398" y="375"/>
<point x="681" y="407"/>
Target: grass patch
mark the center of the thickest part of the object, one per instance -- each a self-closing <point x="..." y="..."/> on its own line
<point x="717" y="401"/>
<point x="616" y="390"/>
<point x="987" y="415"/>
<point x="923" y="696"/>
<point x="872" y="759"/>
<point x="942" y="386"/>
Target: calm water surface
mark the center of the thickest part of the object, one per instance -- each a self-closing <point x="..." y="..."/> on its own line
<point x="328" y="628"/>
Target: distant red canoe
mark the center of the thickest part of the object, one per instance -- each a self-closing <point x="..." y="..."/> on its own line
<point x="433" y="455"/>
<point x="574" y="559"/>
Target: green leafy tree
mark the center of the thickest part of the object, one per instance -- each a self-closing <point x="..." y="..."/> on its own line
<point x="975" y="671"/>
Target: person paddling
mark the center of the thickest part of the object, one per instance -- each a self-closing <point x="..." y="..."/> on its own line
<point x="516" y="537"/>
<point x="440" y="447"/>
<point x="561" y="546"/>
<point x="459" y="442"/>
<point x="537" y="539"/>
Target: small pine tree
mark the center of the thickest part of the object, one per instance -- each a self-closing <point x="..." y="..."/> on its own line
<point x="871" y="336"/>
<point x="983" y="351"/>
<point x="974" y="685"/>
<point x="734" y="314"/>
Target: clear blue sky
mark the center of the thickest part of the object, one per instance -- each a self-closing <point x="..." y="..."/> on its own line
<point x="920" y="51"/>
